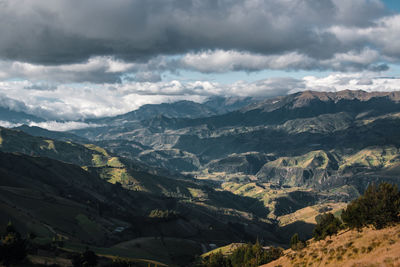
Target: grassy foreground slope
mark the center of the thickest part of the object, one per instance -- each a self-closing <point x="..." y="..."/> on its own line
<point x="368" y="247"/>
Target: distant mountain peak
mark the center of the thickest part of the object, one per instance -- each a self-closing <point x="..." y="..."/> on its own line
<point x="347" y="94"/>
<point x="304" y="98"/>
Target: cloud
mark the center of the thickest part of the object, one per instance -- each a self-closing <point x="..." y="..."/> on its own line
<point x="53" y="125"/>
<point x="89" y="101"/>
<point x="96" y="41"/>
<point x="8" y="124"/>
<point x="107" y="70"/>
<point x="359" y="81"/>
<point x="225" y="61"/>
<point x="96" y="70"/>
<point x="383" y="34"/>
<point x="63" y="126"/>
<point x="63" y="32"/>
<point x="147" y="76"/>
<point x="12" y="104"/>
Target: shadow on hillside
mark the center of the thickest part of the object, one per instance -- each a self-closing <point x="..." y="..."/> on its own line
<point x="302" y="228"/>
<point x="225" y="199"/>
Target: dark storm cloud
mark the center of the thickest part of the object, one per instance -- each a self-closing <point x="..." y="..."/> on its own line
<point x="66" y="31"/>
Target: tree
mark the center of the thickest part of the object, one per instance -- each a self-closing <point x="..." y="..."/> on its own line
<point x="327" y="226"/>
<point x="379" y="206"/>
<point x="296" y="243"/>
<point x="217" y="260"/>
<point x="13" y="248"/>
<point x="119" y="262"/>
<point x="85" y="259"/>
<point x="249" y="255"/>
<point x="294" y="240"/>
<point x="10" y="228"/>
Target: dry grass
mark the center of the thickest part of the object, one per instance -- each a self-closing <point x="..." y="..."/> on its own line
<point x="308" y="214"/>
<point x="349" y="248"/>
<point x="226" y="250"/>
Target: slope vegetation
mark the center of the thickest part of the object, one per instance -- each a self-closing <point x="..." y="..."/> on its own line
<point x="368" y="247"/>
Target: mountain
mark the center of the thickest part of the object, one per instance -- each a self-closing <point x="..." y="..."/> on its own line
<point x="61" y="136"/>
<point x="289" y="152"/>
<point x="301" y="105"/>
<point x="264" y="170"/>
<point x="85" y="202"/>
<point x="12" y="116"/>
<point x="179" y="109"/>
<point x="325" y="123"/>
<point x="100" y="192"/>
<point x="320" y="169"/>
<point x="248" y="163"/>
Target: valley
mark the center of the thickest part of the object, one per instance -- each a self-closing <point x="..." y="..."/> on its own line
<point x="191" y="176"/>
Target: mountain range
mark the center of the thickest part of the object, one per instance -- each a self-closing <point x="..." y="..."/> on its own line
<point x="268" y="138"/>
<point x="226" y="170"/>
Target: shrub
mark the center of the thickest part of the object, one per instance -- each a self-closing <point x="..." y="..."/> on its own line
<point x="119" y="262"/>
<point x="164" y="214"/>
<point x="248" y="255"/>
<point x="296" y="243"/>
<point x="86" y="259"/>
<point x="379" y="206"/>
<point x="13" y="248"/>
<point x="328" y="225"/>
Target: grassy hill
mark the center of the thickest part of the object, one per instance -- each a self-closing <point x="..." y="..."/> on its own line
<point x="263" y="171"/>
<point x="58" y="200"/>
<point x="84" y="205"/>
<point x="286" y="126"/>
<point x="368" y="247"/>
<point x="315" y="168"/>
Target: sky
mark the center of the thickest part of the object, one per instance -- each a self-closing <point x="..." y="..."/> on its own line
<point x="72" y="59"/>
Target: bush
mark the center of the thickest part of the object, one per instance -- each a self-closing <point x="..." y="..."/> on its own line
<point x="328" y="225"/>
<point x="118" y="262"/>
<point x="164" y="214"/>
<point x="86" y="259"/>
<point x="13" y="248"/>
<point x="379" y="206"/>
<point x="248" y="255"/>
<point x="296" y="243"/>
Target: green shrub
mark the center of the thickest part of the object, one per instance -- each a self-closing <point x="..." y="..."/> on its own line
<point x="379" y="206"/>
<point x="248" y="255"/>
<point x="296" y="243"/>
<point x="328" y="225"/>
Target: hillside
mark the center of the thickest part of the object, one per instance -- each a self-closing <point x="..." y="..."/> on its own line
<point x="55" y="199"/>
<point x="287" y="126"/>
<point x="306" y="141"/>
<point x="93" y="204"/>
<point x="61" y="136"/>
<point x="263" y="171"/>
<point x="180" y="109"/>
<point x="368" y="247"/>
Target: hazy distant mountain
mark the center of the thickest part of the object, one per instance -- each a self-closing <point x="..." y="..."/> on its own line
<point x="40" y="132"/>
<point x="17" y="116"/>
<point x="343" y="123"/>
<point x="180" y="109"/>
